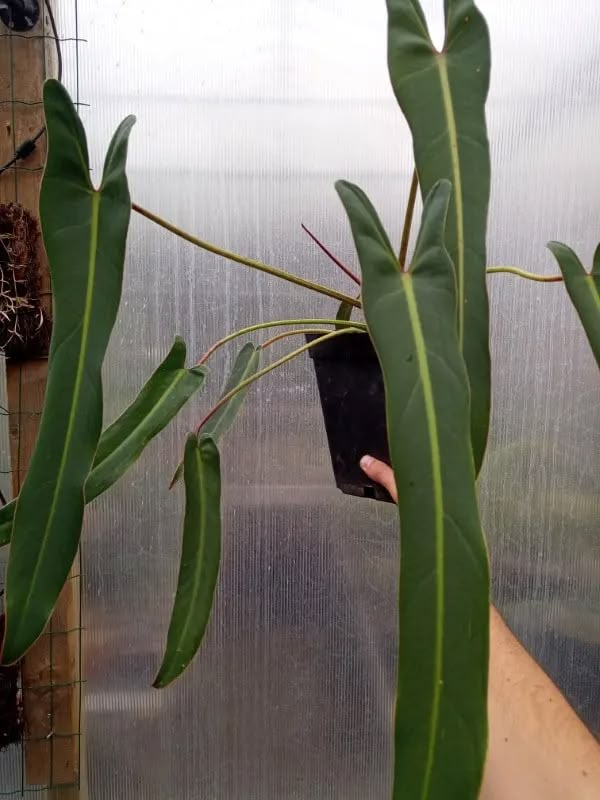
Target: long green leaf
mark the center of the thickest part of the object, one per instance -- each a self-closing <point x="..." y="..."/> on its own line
<point x="443" y="95"/>
<point x="440" y="725"/>
<point x="583" y="289"/>
<point x="200" y="557"/>
<point x="165" y="393"/>
<point x="84" y="233"/>
<point x="245" y="364"/>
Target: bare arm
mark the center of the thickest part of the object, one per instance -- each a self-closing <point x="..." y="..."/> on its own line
<point x="538" y="747"/>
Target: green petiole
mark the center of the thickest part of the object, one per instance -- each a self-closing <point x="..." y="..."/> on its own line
<point x="279" y="363"/>
<point x="521" y="273"/>
<point x="276" y="324"/>
<point x="249" y="262"/>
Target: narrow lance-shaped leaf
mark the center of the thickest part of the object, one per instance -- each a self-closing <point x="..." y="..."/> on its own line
<point x="443" y="95"/>
<point x="84" y="232"/>
<point x="200" y="557"/>
<point x="583" y="289"/>
<point x="245" y="364"/>
<point x="121" y="444"/>
<point x="440" y="723"/>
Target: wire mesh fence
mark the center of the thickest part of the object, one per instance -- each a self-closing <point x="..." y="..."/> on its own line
<point x="40" y="752"/>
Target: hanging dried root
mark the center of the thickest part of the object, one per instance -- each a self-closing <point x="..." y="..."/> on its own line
<point x="24" y="320"/>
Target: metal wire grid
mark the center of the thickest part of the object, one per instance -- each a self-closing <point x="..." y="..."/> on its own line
<point x="12" y="765"/>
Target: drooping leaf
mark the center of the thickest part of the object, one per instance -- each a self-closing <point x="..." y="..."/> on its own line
<point x="200" y="557"/>
<point x="121" y="444"/>
<point x="440" y="724"/>
<point x="245" y="364"/>
<point x="84" y="233"/>
<point x="443" y="95"/>
<point x="583" y="289"/>
<point x="165" y="393"/>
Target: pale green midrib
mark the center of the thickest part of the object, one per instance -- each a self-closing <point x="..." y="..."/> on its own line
<point x="200" y="555"/>
<point x="458" y="193"/>
<point x="157" y="406"/>
<point x="89" y="297"/>
<point x="422" y="361"/>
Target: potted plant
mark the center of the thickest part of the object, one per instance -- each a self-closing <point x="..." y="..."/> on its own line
<point x="351" y="393"/>
<point x="426" y="319"/>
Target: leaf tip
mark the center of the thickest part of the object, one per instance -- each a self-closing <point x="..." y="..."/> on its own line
<point x="191" y="441"/>
<point x="199" y="369"/>
<point x="438" y="198"/>
<point x="596" y="262"/>
<point x="159" y="682"/>
<point x="53" y="85"/>
<point x="562" y="251"/>
<point x="342" y="186"/>
<point x="443" y="187"/>
<point x="176" y="476"/>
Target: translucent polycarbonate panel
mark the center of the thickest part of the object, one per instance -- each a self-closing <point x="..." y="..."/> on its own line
<point x="247" y="113"/>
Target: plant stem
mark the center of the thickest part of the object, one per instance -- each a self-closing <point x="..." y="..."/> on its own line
<point x="285" y="334"/>
<point x="408" y="218"/>
<point x="330" y="255"/>
<point x="249" y="262"/>
<point x="279" y="363"/>
<point x="276" y="324"/>
<point x="521" y="273"/>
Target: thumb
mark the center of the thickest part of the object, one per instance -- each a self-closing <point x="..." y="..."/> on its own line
<point x="381" y="473"/>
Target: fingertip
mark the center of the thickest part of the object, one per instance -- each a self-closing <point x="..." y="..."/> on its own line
<point x="366" y="462"/>
<point x="379" y="472"/>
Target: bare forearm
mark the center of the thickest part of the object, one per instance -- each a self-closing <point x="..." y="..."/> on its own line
<point x="539" y="749"/>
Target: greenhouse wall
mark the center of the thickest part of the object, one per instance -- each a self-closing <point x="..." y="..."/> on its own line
<point x="247" y="112"/>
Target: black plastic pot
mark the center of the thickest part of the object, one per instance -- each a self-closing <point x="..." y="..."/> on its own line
<point x="352" y="398"/>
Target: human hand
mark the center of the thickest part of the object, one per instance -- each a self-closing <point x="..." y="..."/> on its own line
<point x="381" y="473"/>
<point x="537" y="743"/>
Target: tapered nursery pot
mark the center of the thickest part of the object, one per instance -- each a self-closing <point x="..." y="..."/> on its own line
<point x="353" y="402"/>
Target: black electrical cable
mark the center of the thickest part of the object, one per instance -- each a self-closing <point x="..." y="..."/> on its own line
<point x="59" y="60"/>
<point x="26" y="148"/>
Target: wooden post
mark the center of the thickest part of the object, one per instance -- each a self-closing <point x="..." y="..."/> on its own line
<point x="50" y="672"/>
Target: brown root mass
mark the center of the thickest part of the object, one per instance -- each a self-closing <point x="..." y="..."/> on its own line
<point x="24" y="319"/>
